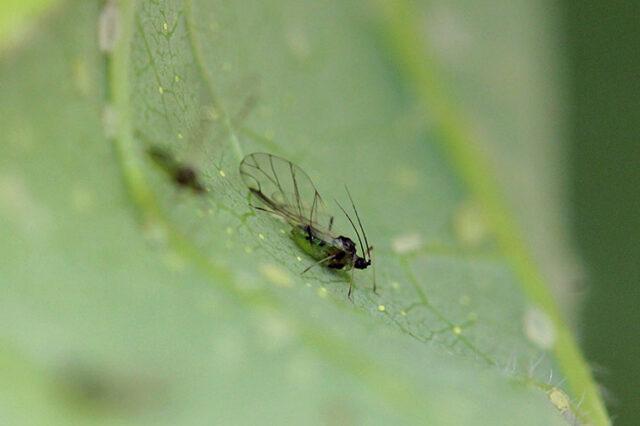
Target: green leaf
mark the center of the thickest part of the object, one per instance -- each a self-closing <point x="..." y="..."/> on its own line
<point x="131" y="299"/>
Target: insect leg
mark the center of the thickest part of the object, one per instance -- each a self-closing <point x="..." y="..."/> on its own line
<point x="319" y="262"/>
<point x="296" y="190"/>
<point x="375" y="287"/>
<point x="351" y="286"/>
<point x="250" y="199"/>
<point x="373" y="270"/>
<point x="330" y="223"/>
<point x="314" y="206"/>
<point x="262" y="209"/>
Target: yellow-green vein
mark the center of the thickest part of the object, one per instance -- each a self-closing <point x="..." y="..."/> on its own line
<point x="408" y="45"/>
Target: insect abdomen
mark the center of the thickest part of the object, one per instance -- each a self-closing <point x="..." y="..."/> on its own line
<point x="320" y="249"/>
<point x="314" y="247"/>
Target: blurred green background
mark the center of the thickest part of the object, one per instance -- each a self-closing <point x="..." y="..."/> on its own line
<point x="603" y="58"/>
<point x="600" y="55"/>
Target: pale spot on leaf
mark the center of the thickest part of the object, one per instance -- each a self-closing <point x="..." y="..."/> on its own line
<point x="277" y="331"/>
<point x="276" y="275"/>
<point x="539" y="328"/>
<point x="406" y="178"/>
<point x="469" y="224"/>
<point x="230" y="350"/>
<point x="447" y="32"/>
<point x="108" y="27"/>
<point x="20" y="205"/>
<point x="406" y="243"/>
<point x="298" y="43"/>
<point x="109" y="121"/>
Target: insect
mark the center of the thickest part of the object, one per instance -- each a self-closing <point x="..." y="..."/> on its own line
<point x="182" y="174"/>
<point x="284" y="189"/>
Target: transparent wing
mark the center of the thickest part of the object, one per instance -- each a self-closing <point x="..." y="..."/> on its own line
<point x="285" y="189"/>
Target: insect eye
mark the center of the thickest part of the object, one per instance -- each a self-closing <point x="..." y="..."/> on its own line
<point x="360" y="263"/>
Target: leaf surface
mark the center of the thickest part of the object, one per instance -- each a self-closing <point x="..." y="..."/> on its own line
<point x="131" y="298"/>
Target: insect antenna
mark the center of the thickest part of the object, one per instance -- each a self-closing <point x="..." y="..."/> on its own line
<point x="353" y="225"/>
<point x="314" y="206"/>
<point x="368" y="252"/>
<point x="373" y="268"/>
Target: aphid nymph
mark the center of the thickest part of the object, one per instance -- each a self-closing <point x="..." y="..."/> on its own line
<point x="284" y="189"/>
<point x="182" y="174"/>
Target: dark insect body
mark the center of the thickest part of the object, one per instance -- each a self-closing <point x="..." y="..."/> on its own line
<point x="181" y="174"/>
<point x="284" y="189"/>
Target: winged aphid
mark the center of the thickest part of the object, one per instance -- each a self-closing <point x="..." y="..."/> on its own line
<point x="281" y="188"/>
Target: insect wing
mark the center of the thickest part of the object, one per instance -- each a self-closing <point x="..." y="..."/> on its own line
<point x="283" y="188"/>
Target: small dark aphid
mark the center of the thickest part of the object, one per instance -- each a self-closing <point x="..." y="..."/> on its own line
<point x="182" y="174"/>
<point x="284" y="189"/>
<point x="97" y="388"/>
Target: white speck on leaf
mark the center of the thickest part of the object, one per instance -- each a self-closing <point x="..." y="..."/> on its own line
<point x="276" y="275"/>
<point x="406" y="178"/>
<point x="407" y="243"/>
<point x="276" y="330"/>
<point x="109" y="121"/>
<point x="469" y="224"/>
<point x="447" y="32"/>
<point x="230" y="348"/>
<point x="539" y="328"/>
<point x="20" y="205"/>
<point x="108" y="27"/>
<point x="298" y="43"/>
<point x="155" y="232"/>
